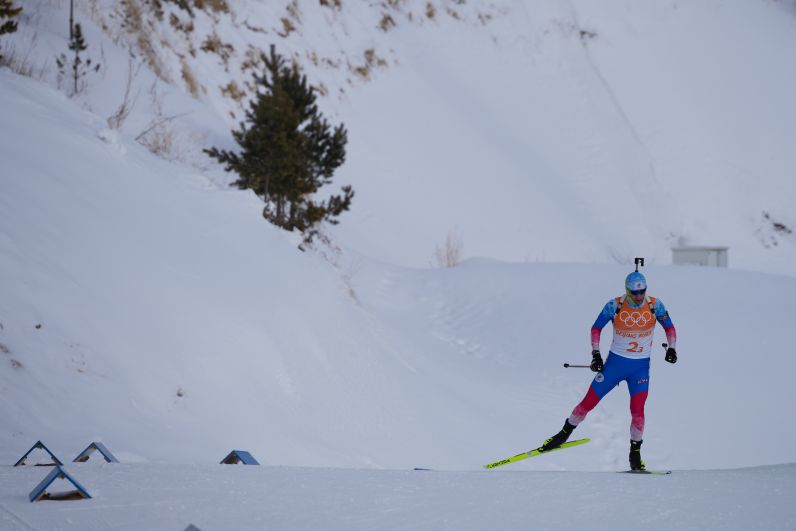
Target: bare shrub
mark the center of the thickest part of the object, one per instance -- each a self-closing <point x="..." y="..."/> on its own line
<point x="450" y="255"/>
<point x="371" y="61"/>
<point x="294" y="11"/>
<point x="321" y="89"/>
<point x="587" y="35"/>
<point x="386" y="23"/>
<point x="287" y="28"/>
<point x="214" y="44"/>
<point x="252" y="59"/>
<point x="20" y="63"/>
<point x="117" y="119"/>
<point x="159" y="138"/>
<point x="361" y="71"/>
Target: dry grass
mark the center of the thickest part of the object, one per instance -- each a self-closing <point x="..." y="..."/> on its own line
<point x="255" y="29"/>
<point x="134" y="23"/>
<point x="231" y="90"/>
<point x="179" y="25"/>
<point x="190" y="80"/>
<point x="216" y="6"/>
<point x="371" y="61"/>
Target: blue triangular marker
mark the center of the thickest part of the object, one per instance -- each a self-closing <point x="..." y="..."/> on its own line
<point x="239" y="456"/>
<point x="38" y="445"/>
<point x="103" y="450"/>
<point x="40" y="492"/>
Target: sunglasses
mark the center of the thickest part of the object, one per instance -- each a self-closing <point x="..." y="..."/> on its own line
<point x="638" y="291"/>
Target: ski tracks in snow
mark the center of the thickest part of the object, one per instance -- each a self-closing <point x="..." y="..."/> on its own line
<point x="451" y="320"/>
<point x="11" y="522"/>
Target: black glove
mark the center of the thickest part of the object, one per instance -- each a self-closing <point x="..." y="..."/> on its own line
<point x="596" y="361"/>
<point x="671" y="355"/>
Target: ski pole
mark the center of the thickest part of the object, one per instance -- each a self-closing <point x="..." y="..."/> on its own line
<point x="571" y="366"/>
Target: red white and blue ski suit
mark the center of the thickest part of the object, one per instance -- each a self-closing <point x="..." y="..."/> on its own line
<point x="629" y="357"/>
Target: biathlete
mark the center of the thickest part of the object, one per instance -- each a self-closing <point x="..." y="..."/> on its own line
<point x="634" y="316"/>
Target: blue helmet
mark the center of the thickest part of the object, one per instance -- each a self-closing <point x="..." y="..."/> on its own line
<point x="635" y="281"/>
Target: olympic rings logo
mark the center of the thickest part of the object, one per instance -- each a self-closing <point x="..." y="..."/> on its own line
<point x="635" y="318"/>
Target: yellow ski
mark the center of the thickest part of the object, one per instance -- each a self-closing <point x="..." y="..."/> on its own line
<point x="532" y="453"/>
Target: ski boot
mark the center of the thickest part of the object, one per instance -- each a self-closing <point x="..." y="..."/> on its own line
<point x="559" y="438"/>
<point x="635" y="456"/>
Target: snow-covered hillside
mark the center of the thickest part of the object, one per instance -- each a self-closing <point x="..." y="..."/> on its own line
<point x="535" y="131"/>
<point x="146" y="309"/>
<point x="583" y="131"/>
<point x="175" y="323"/>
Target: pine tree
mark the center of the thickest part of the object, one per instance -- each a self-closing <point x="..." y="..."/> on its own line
<point x="288" y="151"/>
<point x="79" y="68"/>
<point x="77" y="44"/>
<point x="8" y="11"/>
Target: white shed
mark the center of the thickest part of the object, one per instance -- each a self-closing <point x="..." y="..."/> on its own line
<point x="703" y="256"/>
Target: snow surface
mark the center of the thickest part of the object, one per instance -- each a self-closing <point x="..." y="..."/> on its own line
<point x="133" y="497"/>
<point x="148" y="308"/>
